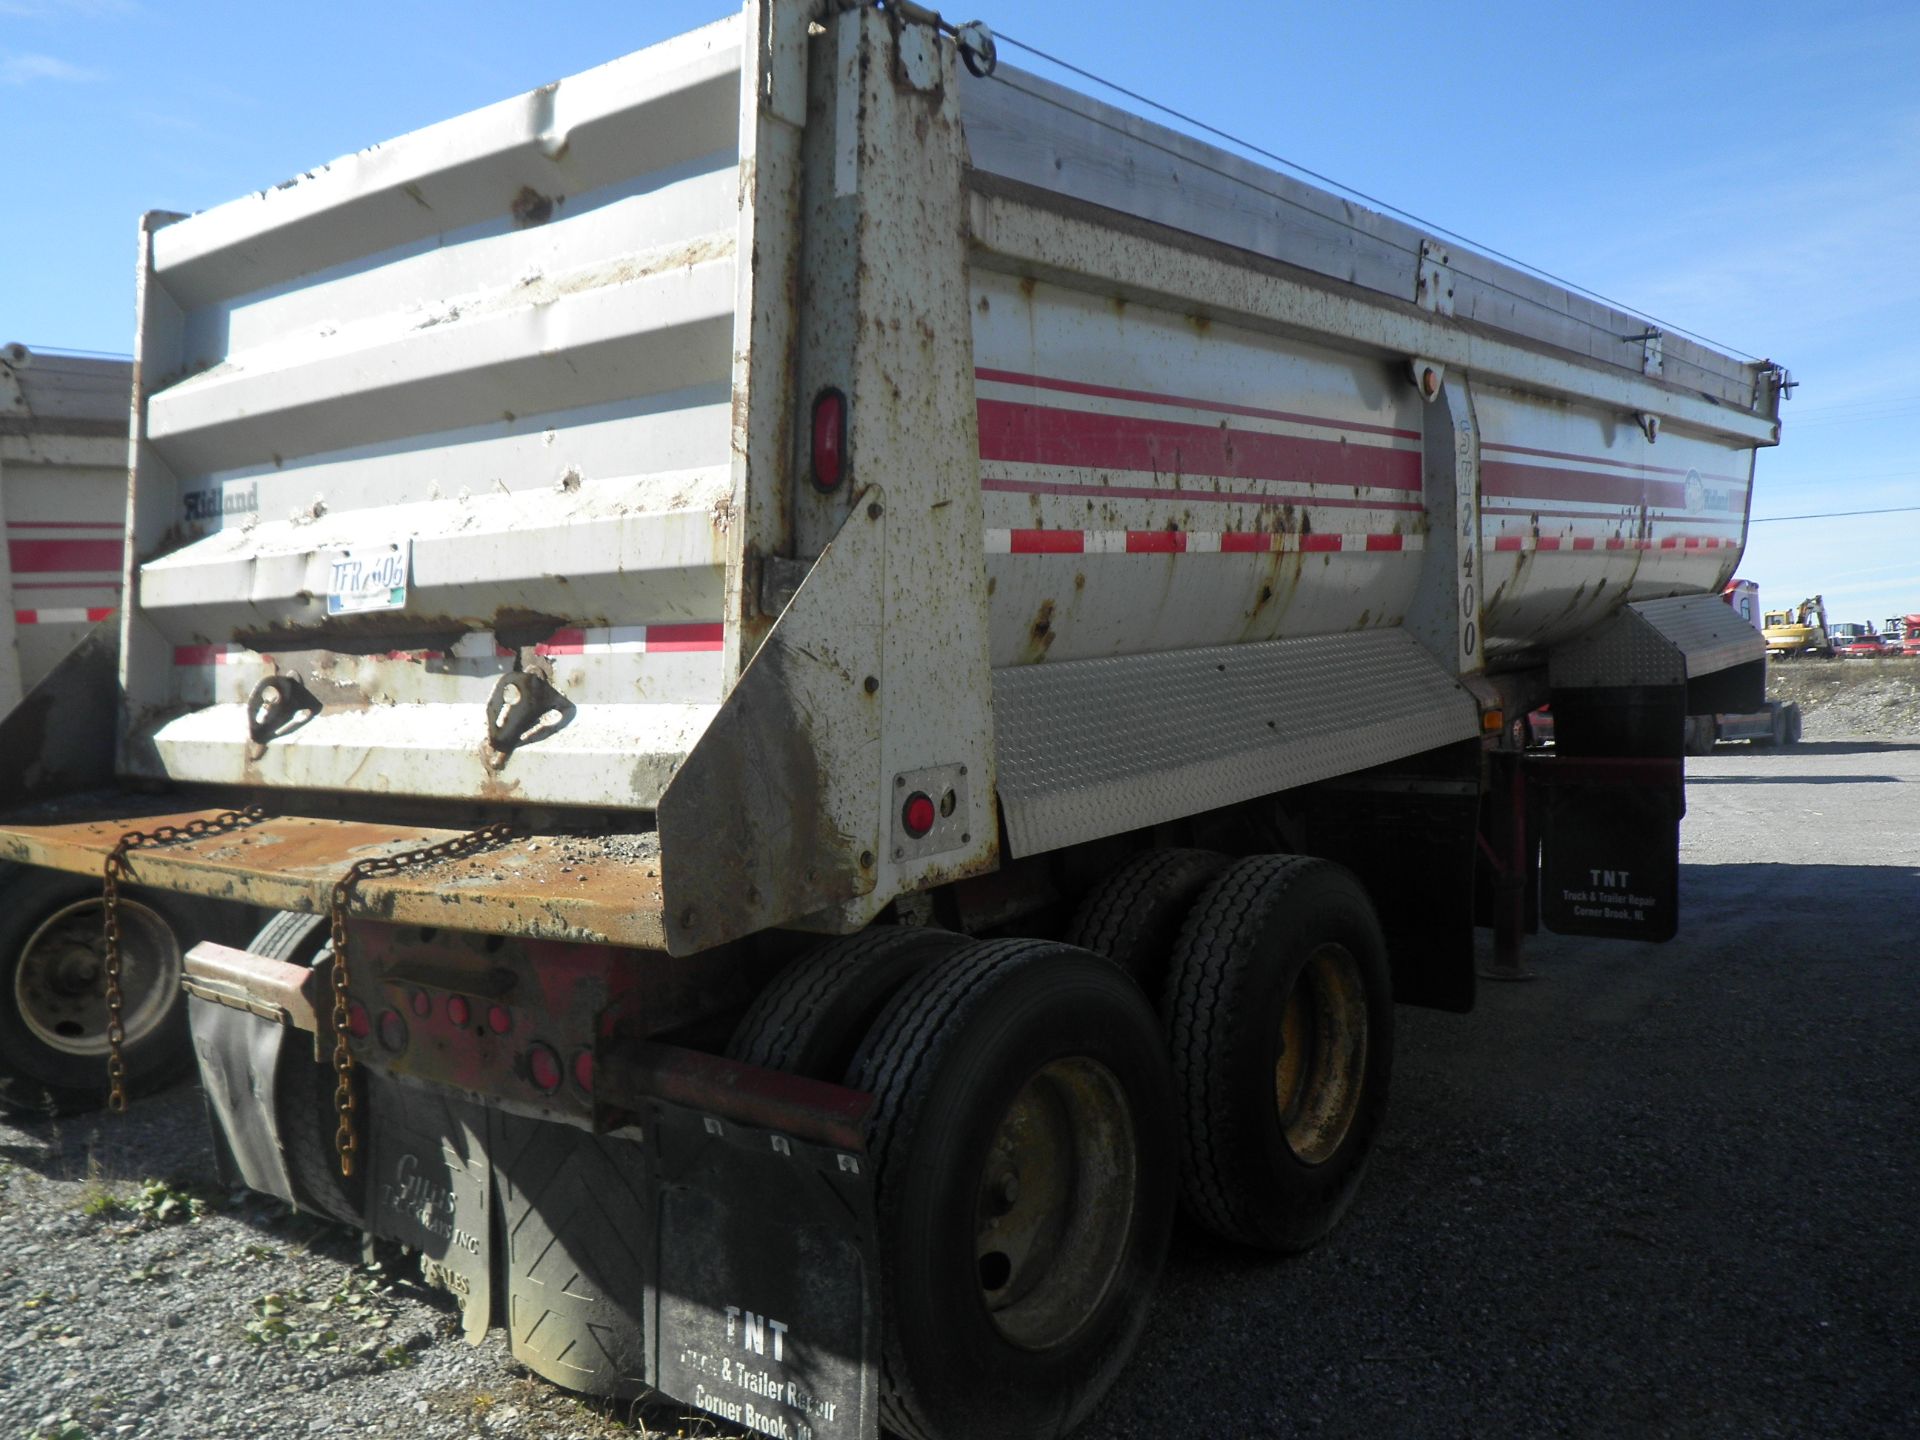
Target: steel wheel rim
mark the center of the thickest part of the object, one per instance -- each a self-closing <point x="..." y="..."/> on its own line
<point x="1055" y="1203"/>
<point x="1321" y="1067"/>
<point x="60" y="984"/>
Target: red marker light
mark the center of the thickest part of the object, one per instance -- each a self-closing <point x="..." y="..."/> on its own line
<point x="358" y="1025"/>
<point x="458" y="1011"/>
<point x="918" y="814"/>
<point x="583" y="1070"/>
<point x="422" y="1004"/>
<point x="829" y="440"/>
<point x="499" y="1019"/>
<point x="543" y="1067"/>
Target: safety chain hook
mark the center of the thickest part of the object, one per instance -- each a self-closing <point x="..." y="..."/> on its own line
<point x="346" y="1139"/>
<point x="118" y="870"/>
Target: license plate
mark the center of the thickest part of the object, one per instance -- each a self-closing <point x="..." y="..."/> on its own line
<point x="368" y="577"/>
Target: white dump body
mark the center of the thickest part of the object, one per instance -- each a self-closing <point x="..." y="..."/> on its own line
<point x="63" y="501"/>
<point x="505" y="395"/>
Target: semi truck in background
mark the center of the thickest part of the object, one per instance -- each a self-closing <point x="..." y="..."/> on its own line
<point x="1776" y="722"/>
<point x="63" y="506"/>
<point x="832" y="654"/>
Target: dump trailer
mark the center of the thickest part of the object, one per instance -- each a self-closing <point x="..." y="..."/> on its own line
<point x="63" y="503"/>
<point x="857" y="676"/>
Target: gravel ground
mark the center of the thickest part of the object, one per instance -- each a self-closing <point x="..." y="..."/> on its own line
<point x="1842" y="698"/>
<point x="1661" y="1189"/>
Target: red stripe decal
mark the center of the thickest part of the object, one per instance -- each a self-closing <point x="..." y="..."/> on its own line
<point x="1670" y="542"/>
<point x="1042" y="435"/>
<point x="1245" y="542"/>
<point x="1384" y="542"/>
<point x="97" y="613"/>
<point x="1609" y="464"/>
<point x="1217" y="407"/>
<point x="40" y="557"/>
<point x="1506" y="542"/>
<point x="1049" y="542"/>
<point x="23" y="617"/>
<point x="1501" y="477"/>
<point x="686" y="637"/>
<point x="63" y="525"/>
<point x="1156" y="542"/>
<point x="68" y="585"/>
<point x="1693" y="542"/>
<point x="1583" y="542"/>
<point x="1547" y="542"/>
<point x="562" y="642"/>
<point x="198" y="654"/>
<point x="1191" y="497"/>
<point x="1320" y="542"/>
<point x="1615" y="542"/>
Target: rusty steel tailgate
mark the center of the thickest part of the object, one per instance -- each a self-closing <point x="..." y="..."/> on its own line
<point x="601" y="889"/>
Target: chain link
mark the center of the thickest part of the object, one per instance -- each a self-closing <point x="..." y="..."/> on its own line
<point x="346" y="1140"/>
<point x="118" y="870"/>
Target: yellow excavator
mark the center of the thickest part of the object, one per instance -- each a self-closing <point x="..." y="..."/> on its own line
<point x="1800" y="631"/>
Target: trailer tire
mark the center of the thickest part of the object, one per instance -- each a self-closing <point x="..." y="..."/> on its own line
<point x="1793" y="728"/>
<point x="816" y="1012"/>
<point x="1700" y="735"/>
<point x="1013" y="1290"/>
<point x="303" y="1089"/>
<point x="53" y="1054"/>
<point x="1134" y="915"/>
<point x="1279" y="1015"/>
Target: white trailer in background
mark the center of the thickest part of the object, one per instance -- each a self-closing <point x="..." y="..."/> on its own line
<point x="857" y="673"/>
<point x="63" y="503"/>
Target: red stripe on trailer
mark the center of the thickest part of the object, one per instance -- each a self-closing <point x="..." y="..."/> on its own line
<point x="1543" y="482"/>
<point x="1245" y="542"/>
<point x="1156" y="542"/>
<point x="1217" y="407"/>
<point x="1001" y="484"/>
<point x="687" y="637"/>
<point x="43" y="557"/>
<point x="1049" y="542"/>
<point x="1583" y="542"/>
<point x="68" y="585"/>
<point x="1321" y="542"/>
<point x="63" y="525"/>
<point x="562" y="642"/>
<point x="1601" y="460"/>
<point x="1547" y="542"/>
<point x="1385" y="542"/>
<point x="97" y="613"/>
<point x="1670" y="542"/>
<point x="199" y="654"/>
<point x="1079" y="439"/>
<point x="1506" y="542"/>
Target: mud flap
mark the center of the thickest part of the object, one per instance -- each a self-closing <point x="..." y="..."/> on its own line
<point x="1610" y="851"/>
<point x="236" y="1053"/>
<point x="767" y="1307"/>
<point x="431" y="1188"/>
<point x="731" y="1265"/>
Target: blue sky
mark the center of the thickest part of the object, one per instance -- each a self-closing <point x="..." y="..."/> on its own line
<point x="1749" y="171"/>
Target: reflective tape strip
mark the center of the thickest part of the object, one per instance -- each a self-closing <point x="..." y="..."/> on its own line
<point x="90" y="616"/>
<point x="1195" y="542"/>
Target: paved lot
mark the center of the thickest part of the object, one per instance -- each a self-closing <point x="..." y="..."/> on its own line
<point x="1659" y="1190"/>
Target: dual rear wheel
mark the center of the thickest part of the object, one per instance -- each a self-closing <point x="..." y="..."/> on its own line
<point x="1029" y="1099"/>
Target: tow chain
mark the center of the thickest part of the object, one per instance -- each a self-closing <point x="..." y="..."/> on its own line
<point x="117" y="871"/>
<point x="346" y="1141"/>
